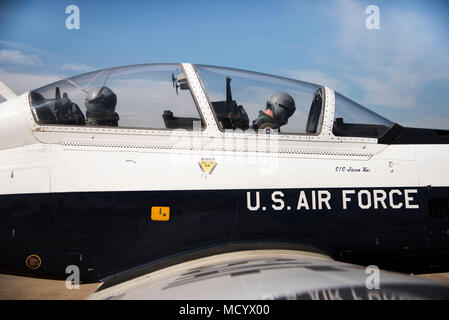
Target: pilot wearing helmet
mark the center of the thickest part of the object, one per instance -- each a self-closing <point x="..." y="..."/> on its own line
<point x="280" y="107"/>
<point x="100" y="105"/>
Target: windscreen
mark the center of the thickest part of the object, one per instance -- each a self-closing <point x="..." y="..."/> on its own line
<point x="354" y="120"/>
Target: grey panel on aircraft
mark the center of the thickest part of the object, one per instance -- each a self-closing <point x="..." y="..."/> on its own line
<point x="271" y="274"/>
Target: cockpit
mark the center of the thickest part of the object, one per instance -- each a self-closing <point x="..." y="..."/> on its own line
<point x="160" y="97"/>
<point x="143" y="96"/>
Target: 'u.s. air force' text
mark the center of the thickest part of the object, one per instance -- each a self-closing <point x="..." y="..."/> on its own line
<point x="304" y="200"/>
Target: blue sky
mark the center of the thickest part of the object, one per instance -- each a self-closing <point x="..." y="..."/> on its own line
<point x="400" y="71"/>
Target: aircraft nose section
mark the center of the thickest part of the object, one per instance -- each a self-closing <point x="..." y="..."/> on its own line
<point x="16" y="123"/>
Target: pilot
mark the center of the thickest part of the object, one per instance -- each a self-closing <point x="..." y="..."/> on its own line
<point x="100" y="104"/>
<point x="280" y="107"/>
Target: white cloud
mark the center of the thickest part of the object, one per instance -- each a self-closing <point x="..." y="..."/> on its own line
<point x="24" y="68"/>
<point x="392" y="92"/>
<point x="22" y="82"/>
<point x="391" y="66"/>
<point x="24" y="59"/>
<point x="72" y="67"/>
<point x="16" y="57"/>
<point x="433" y="122"/>
<point x="317" y="77"/>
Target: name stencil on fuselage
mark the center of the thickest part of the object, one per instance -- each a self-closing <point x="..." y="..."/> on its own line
<point x="337" y="199"/>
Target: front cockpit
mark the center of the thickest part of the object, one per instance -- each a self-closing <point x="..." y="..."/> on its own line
<point x="140" y="96"/>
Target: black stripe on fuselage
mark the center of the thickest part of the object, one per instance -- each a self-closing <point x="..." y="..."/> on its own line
<point x="404" y="135"/>
<point x="107" y="232"/>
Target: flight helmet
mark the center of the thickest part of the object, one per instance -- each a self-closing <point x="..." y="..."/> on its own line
<point x="282" y="105"/>
<point x="99" y="100"/>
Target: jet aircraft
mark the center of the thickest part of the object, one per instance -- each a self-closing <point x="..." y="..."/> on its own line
<point x="148" y="166"/>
